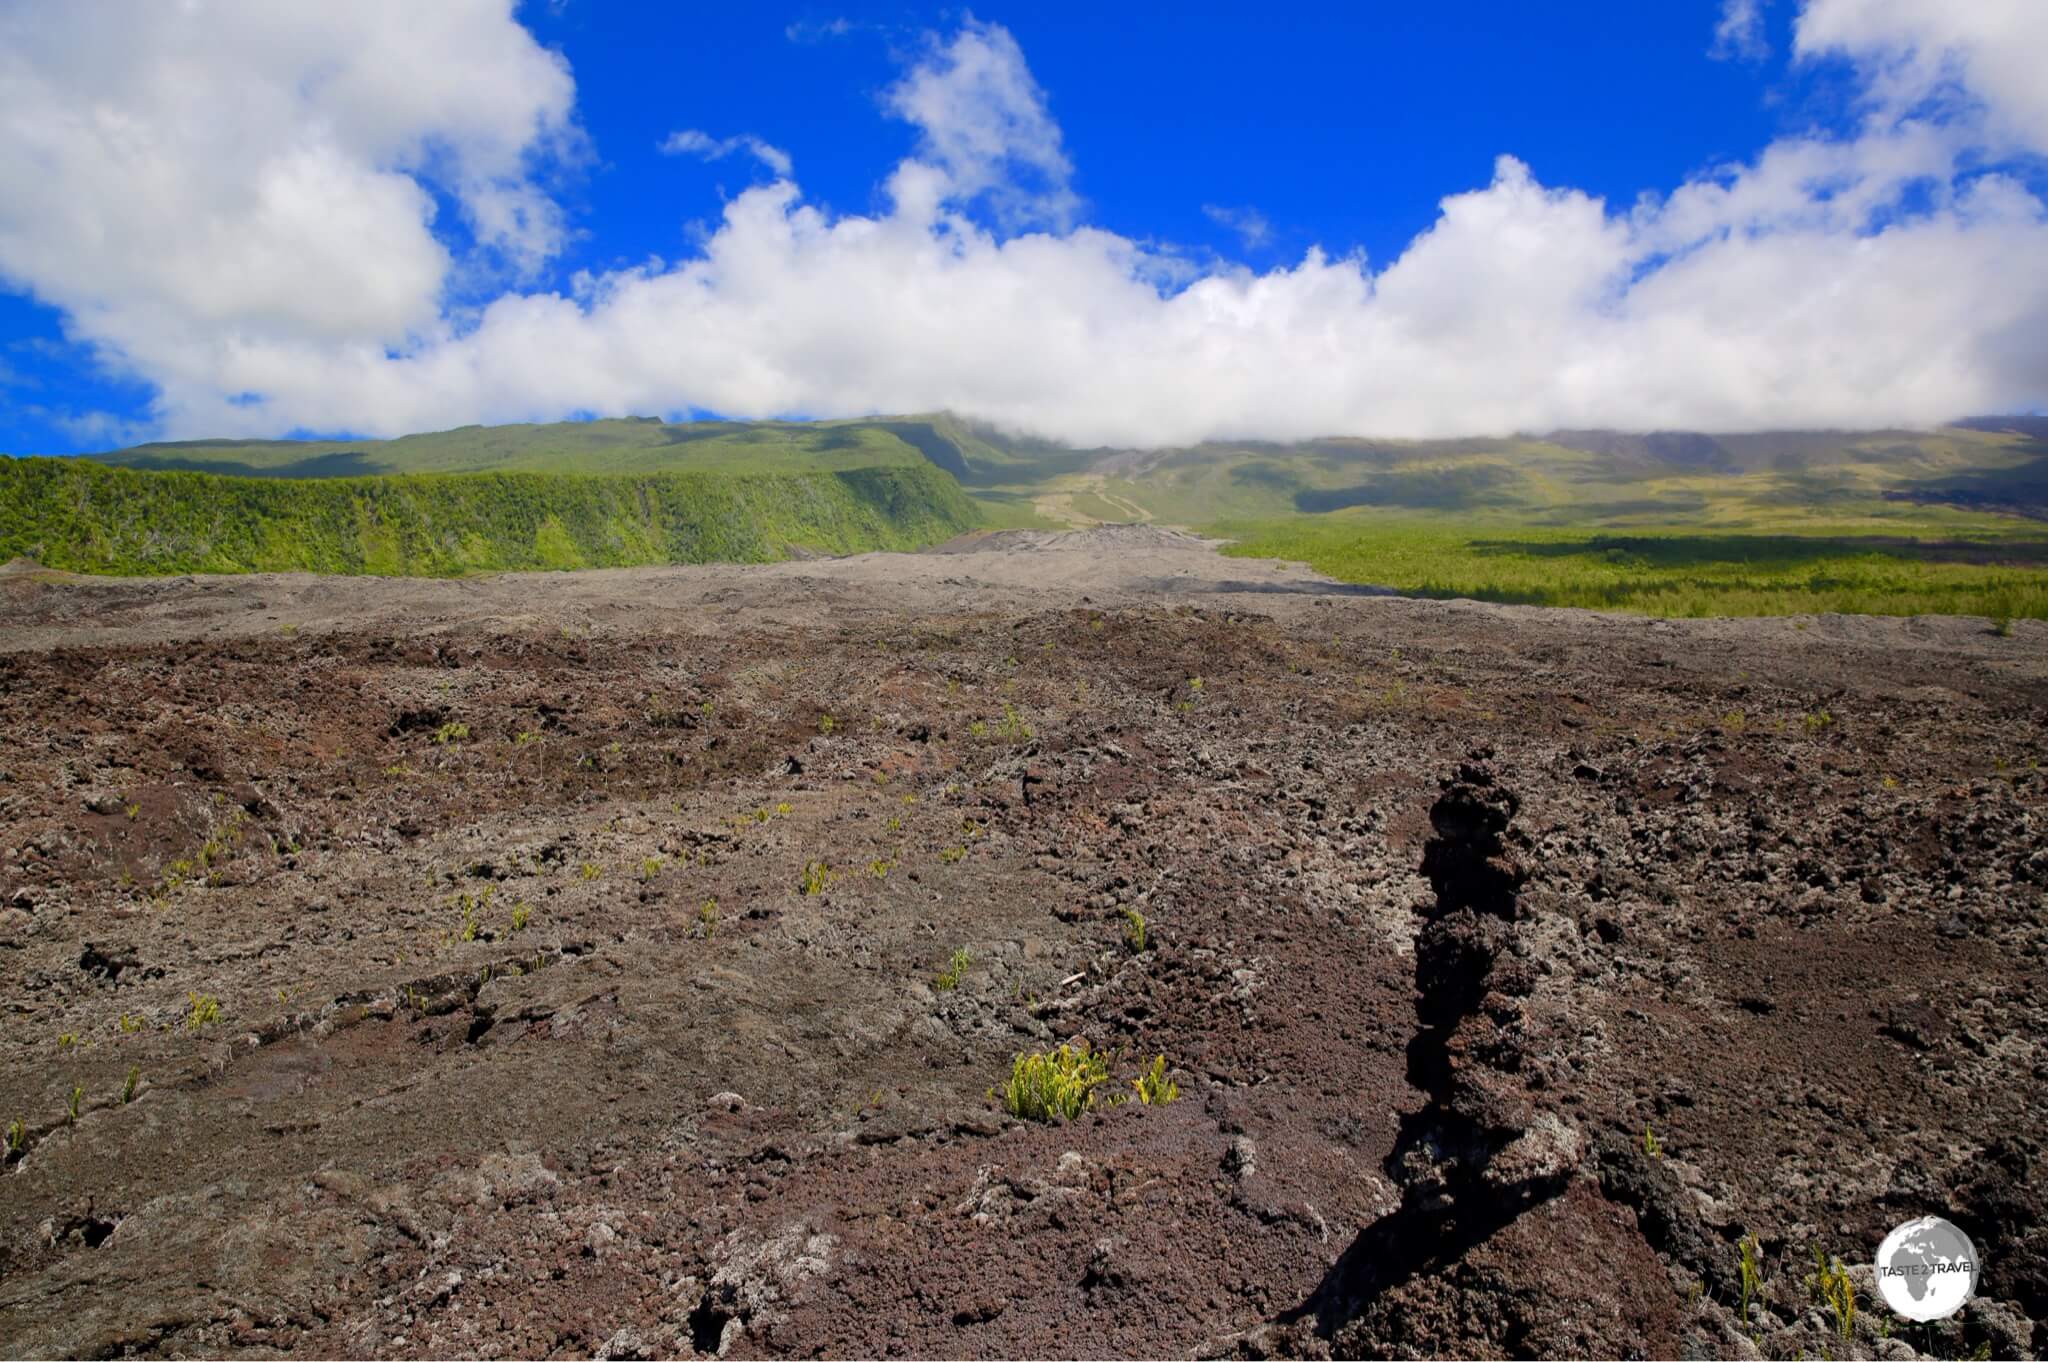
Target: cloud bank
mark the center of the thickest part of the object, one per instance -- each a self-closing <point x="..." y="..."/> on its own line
<point x="247" y="205"/>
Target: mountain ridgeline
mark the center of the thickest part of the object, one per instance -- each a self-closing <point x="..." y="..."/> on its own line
<point x="628" y="491"/>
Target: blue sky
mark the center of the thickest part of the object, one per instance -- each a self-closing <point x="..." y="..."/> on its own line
<point x="1260" y="190"/>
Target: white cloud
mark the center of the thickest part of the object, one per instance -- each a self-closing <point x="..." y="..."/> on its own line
<point x="191" y="182"/>
<point x="1916" y="53"/>
<point x="1740" y="32"/>
<point x="818" y="31"/>
<point x="1249" y="223"/>
<point x="690" y="142"/>
<point x="985" y="130"/>
<point x="1877" y="278"/>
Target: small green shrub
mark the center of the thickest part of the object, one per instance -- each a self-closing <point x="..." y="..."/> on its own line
<point x="17" y="1139"/>
<point x="77" y="1099"/>
<point x="948" y="978"/>
<point x="650" y="866"/>
<point x="1652" y="1146"/>
<point x="588" y="870"/>
<point x="826" y="723"/>
<point x="1134" y="930"/>
<point x="952" y="855"/>
<point x="707" y="916"/>
<point x="1154" y="1088"/>
<point x="520" y="915"/>
<point x="451" y="733"/>
<point x="128" y="1087"/>
<point x="816" y="876"/>
<point x="1056" y="1084"/>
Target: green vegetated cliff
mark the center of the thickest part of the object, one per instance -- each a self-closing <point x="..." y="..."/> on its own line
<point x="85" y="516"/>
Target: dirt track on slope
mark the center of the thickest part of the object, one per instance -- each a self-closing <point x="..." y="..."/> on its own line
<point x="530" y="1040"/>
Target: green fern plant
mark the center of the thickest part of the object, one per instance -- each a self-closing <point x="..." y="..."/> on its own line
<point x="1749" y="1272"/>
<point x="948" y="978"/>
<point x="1055" y="1085"/>
<point x="1154" y="1088"/>
<point x="204" y="1010"/>
<point x="1831" y="1286"/>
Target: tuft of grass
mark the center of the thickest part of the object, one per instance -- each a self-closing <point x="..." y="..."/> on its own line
<point x="1134" y="930"/>
<point x="826" y="723"/>
<point x="451" y="733"/>
<point x="204" y="1010"/>
<point x="1154" y="1088"/>
<point x="816" y="876"/>
<point x="128" y="1086"/>
<point x="1055" y="1085"/>
<point x="17" y="1139"/>
<point x="1652" y="1146"/>
<point x="948" y="979"/>
<point x="589" y="870"/>
<point x="707" y="917"/>
<point x="77" y="1099"/>
<point x="521" y="914"/>
<point x="952" y="855"/>
<point x="650" y="866"/>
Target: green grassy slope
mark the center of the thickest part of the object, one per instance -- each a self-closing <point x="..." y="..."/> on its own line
<point x="1585" y="478"/>
<point x="1905" y="561"/>
<point x="974" y="454"/>
<point x="83" y="516"/>
<point x="630" y="445"/>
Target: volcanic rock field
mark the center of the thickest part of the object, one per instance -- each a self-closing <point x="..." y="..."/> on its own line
<point x="630" y="964"/>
